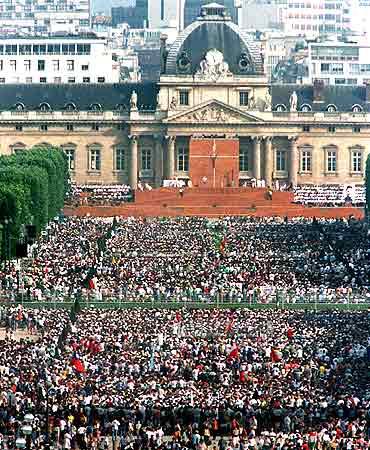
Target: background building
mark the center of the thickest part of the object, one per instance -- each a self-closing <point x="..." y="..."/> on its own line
<point x="59" y="59"/>
<point x="338" y="63"/>
<point x="136" y="14"/>
<point x="44" y="16"/>
<point x="192" y="10"/>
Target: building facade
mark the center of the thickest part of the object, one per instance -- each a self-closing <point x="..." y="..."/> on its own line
<point x="213" y="102"/>
<point x="59" y="59"/>
<point x="44" y="16"/>
<point x="338" y="63"/>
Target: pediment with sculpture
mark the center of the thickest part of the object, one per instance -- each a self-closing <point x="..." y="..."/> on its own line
<point x="213" y="112"/>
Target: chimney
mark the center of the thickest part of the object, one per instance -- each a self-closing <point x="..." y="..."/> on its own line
<point x="318" y="91"/>
<point x="163" y="52"/>
<point x="367" y="92"/>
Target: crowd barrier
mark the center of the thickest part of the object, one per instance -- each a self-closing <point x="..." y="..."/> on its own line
<point x="282" y="303"/>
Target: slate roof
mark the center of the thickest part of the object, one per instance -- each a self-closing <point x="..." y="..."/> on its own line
<point x="225" y="36"/>
<point x="343" y="97"/>
<point x="83" y="96"/>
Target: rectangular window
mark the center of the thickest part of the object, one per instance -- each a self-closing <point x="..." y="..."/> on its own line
<point x="70" y="127"/>
<point x="243" y="159"/>
<point x="70" y="152"/>
<point x="95" y="127"/>
<point x="356" y="161"/>
<point x="280" y="160"/>
<point x="85" y="67"/>
<point x="28" y="79"/>
<point x="27" y="65"/>
<point x="86" y="79"/>
<point x="43" y="127"/>
<point x="356" y="130"/>
<point x="306" y="161"/>
<point x="182" y="158"/>
<point x="95" y="159"/>
<point x="331" y="161"/>
<point x="243" y="98"/>
<point x="42" y="80"/>
<point x="70" y="65"/>
<point x="119" y="158"/>
<point x="1" y="64"/>
<point x="146" y="159"/>
<point x="13" y="65"/>
<point x="41" y="65"/>
<point x="18" y="128"/>
<point x="306" y="128"/>
<point x="184" y="98"/>
<point x="101" y="79"/>
<point x="331" y="129"/>
<point x="56" y="65"/>
<point x="71" y="80"/>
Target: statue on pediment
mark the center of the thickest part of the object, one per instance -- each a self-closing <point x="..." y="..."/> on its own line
<point x="213" y="66"/>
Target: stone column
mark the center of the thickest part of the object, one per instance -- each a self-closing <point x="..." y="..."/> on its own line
<point x="268" y="161"/>
<point x="133" y="161"/>
<point x="293" y="160"/>
<point x="158" y="158"/>
<point x="170" y="163"/>
<point x="257" y="158"/>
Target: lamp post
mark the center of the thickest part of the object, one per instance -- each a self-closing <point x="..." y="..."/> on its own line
<point x="213" y="159"/>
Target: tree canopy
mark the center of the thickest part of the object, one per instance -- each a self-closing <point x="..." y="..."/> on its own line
<point x="33" y="184"/>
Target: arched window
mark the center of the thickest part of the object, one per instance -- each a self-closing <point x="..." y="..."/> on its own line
<point x="331" y="108"/>
<point x="357" y="108"/>
<point x="280" y="108"/>
<point x="306" y="108"/>
<point x="44" y="107"/>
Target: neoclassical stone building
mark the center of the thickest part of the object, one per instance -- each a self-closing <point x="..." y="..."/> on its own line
<point x="212" y="110"/>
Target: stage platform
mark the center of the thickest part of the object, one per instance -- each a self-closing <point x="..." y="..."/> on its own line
<point x="208" y="202"/>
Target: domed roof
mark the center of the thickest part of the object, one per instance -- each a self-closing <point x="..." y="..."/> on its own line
<point x="214" y="30"/>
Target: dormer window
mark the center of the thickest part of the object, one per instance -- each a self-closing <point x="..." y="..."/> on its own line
<point x="331" y="109"/>
<point x="357" y="108"/>
<point x="280" y="108"/>
<point x="306" y="108"/>
<point x="45" y="107"/>
<point x="70" y="107"/>
<point x="19" y="107"/>
<point x="95" y="107"/>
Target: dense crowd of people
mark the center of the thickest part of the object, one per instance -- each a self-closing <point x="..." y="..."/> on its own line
<point x="188" y="379"/>
<point x="90" y="194"/>
<point x="330" y="195"/>
<point x="231" y="259"/>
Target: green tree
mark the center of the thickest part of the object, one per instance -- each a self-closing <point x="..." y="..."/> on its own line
<point x="367" y="184"/>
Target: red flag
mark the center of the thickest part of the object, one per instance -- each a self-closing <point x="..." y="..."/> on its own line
<point x="78" y="365"/>
<point x="290" y="333"/>
<point x="178" y="317"/>
<point x="276" y="355"/>
<point x="223" y="245"/>
<point x="229" y="326"/>
<point x="233" y="354"/>
<point x="91" y="282"/>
